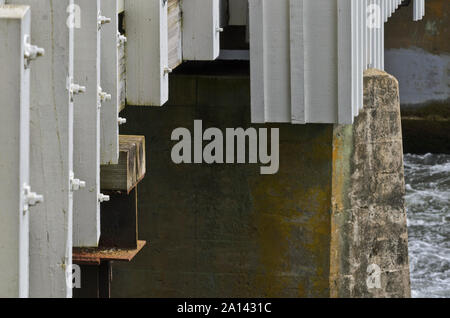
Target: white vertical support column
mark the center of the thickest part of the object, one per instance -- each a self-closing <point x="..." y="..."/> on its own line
<point x="321" y="19"/>
<point x="366" y="35"/>
<point x="277" y="61"/>
<point x="51" y="139"/>
<point x="354" y="31"/>
<point x="379" y="35"/>
<point x="201" y="29"/>
<point x="257" y="60"/>
<point x="86" y="205"/>
<point x="416" y="9"/>
<point x="111" y="41"/>
<point x="345" y="65"/>
<point x="147" y="52"/>
<point x="16" y="54"/>
<point x="361" y="46"/>
<point x="299" y="113"/>
<point x="383" y="20"/>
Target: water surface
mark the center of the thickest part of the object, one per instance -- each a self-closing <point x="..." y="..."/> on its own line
<point x="427" y="201"/>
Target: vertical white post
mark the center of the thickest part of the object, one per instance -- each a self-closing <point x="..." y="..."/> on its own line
<point x="361" y="46"/>
<point x="16" y="54"/>
<point x="383" y="20"/>
<point x="86" y="206"/>
<point x="345" y="65"/>
<point x="257" y="60"/>
<point x="111" y="41"/>
<point x="299" y="112"/>
<point x="201" y="29"/>
<point x="147" y="52"/>
<point x="51" y="147"/>
<point x="277" y="61"/>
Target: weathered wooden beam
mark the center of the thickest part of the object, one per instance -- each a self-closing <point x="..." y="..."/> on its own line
<point x="86" y="206"/>
<point x="111" y="42"/>
<point x="51" y="139"/>
<point x="119" y="221"/>
<point x="174" y="26"/>
<point x="147" y="52"/>
<point x="16" y="54"/>
<point x="131" y="167"/>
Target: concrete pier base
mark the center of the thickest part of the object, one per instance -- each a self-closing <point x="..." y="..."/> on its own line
<point x="311" y="230"/>
<point x="369" y="250"/>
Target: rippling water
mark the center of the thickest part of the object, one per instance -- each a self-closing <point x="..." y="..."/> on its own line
<point x="427" y="200"/>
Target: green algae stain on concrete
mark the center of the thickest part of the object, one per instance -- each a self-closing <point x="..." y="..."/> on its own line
<point x="292" y="215"/>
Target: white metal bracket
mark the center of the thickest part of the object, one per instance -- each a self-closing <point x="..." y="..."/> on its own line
<point x="121" y="121"/>
<point x="74" y="89"/>
<point x="102" y="20"/>
<point x="103" y="197"/>
<point x="76" y="184"/>
<point x="31" y="52"/>
<point x="30" y="198"/>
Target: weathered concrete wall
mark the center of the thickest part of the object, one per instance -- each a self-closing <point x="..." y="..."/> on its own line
<point x="227" y="231"/>
<point x="369" y="233"/>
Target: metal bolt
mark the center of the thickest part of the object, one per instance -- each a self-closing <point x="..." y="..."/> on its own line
<point x="219" y="29"/>
<point x="31" y="198"/>
<point x="102" y="20"/>
<point x="167" y="70"/>
<point x="76" y="184"/>
<point x="31" y="52"/>
<point x="76" y="89"/>
<point x="103" y="95"/>
<point x="103" y="197"/>
<point x="121" y="121"/>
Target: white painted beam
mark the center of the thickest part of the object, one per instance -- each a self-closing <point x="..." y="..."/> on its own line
<point x="147" y="52"/>
<point x="299" y="113"/>
<point x="86" y="205"/>
<point x="16" y="54"/>
<point x="111" y="42"/>
<point x="51" y="147"/>
<point x="258" y="65"/>
<point x="345" y="65"/>
<point x="201" y="29"/>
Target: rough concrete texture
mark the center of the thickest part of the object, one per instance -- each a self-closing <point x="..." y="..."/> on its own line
<point x="369" y="231"/>
<point x="227" y="231"/>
